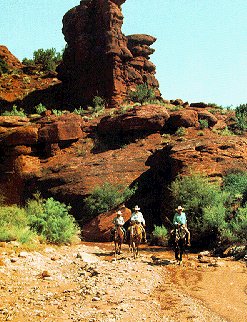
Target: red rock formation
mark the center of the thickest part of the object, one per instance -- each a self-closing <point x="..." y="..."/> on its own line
<point x="9" y="58"/>
<point x="99" y="228"/>
<point x="148" y="118"/>
<point x="99" y="60"/>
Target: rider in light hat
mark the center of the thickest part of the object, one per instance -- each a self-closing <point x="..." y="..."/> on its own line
<point x="180" y="219"/>
<point x="137" y="217"/>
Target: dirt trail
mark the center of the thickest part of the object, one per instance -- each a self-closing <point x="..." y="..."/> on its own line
<point x="85" y="283"/>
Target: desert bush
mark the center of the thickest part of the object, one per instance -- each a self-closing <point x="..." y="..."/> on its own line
<point x="57" y="112"/>
<point x="239" y="225"/>
<point x="15" y="112"/>
<point x="159" y="235"/>
<point x="142" y="94"/>
<point x="106" y="197"/>
<point x="98" y="102"/>
<point x="241" y="116"/>
<point x="51" y="220"/>
<point x="204" y="203"/>
<point x="40" y="108"/>
<point x="181" y="131"/>
<point x="28" y="62"/>
<point x="203" y="124"/>
<point x="48" y="59"/>
<point x="235" y="183"/>
<point x="14" y="224"/>
<point x="80" y="111"/>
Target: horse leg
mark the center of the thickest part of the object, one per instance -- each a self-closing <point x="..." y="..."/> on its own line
<point x="119" y="248"/>
<point x="176" y="252"/>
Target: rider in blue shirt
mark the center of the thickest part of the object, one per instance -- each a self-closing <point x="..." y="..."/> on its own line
<point x="180" y="219"/>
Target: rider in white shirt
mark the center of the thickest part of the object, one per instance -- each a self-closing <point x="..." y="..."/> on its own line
<point x="137" y="217"/>
<point x="119" y="221"/>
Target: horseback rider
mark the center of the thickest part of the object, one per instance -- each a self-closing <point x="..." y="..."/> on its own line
<point x="118" y="221"/>
<point x="137" y="217"/>
<point x="180" y="219"/>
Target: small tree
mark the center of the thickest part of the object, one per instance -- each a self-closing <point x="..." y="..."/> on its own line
<point x="48" y="59"/>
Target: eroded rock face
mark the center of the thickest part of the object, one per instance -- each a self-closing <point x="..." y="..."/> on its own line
<point x="148" y="118"/>
<point x="99" y="59"/>
<point x="99" y="228"/>
<point x="183" y="118"/>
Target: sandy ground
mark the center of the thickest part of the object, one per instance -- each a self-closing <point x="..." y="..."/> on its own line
<point x="85" y="282"/>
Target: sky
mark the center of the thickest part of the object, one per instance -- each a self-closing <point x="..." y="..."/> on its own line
<point x="200" y="52"/>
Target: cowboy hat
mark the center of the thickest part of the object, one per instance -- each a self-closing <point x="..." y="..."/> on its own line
<point x="137" y="208"/>
<point x="180" y="208"/>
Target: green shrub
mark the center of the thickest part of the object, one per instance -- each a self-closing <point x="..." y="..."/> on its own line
<point x="51" y="219"/>
<point x="166" y="137"/>
<point x="106" y="197"/>
<point x="142" y="94"/>
<point x="4" y="68"/>
<point x="48" y="59"/>
<point x="28" y="62"/>
<point x="98" y="102"/>
<point x="181" y="131"/>
<point x="40" y="108"/>
<point x="159" y="235"/>
<point x="80" y="111"/>
<point x="57" y="112"/>
<point x="14" y="224"/>
<point x="201" y="200"/>
<point x="235" y="182"/>
<point x="225" y="132"/>
<point x="239" y="225"/>
<point x="15" y="112"/>
<point x="241" y="116"/>
<point x="203" y="124"/>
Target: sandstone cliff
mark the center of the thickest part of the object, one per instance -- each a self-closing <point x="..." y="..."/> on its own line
<point x="99" y="59"/>
<point x="67" y="156"/>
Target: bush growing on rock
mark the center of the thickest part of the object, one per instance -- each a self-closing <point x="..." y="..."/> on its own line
<point x="40" y="108"/>
<point x="142" y="94"/>
<point x="203" y="124"/>
<point x="15" y="112"/>
<point x="241" y="116"/>
<point x="48" y="59"/>
<point x="106" y="197"/>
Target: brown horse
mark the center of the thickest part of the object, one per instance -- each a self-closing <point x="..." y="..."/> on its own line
<point x="118" y="239"/>
<point x="135" y="239"/>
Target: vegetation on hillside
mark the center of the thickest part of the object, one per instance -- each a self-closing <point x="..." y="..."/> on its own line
<point x="143" y="93"/>
<point x="46" y="59"/>
<point x="105" y="197"/>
